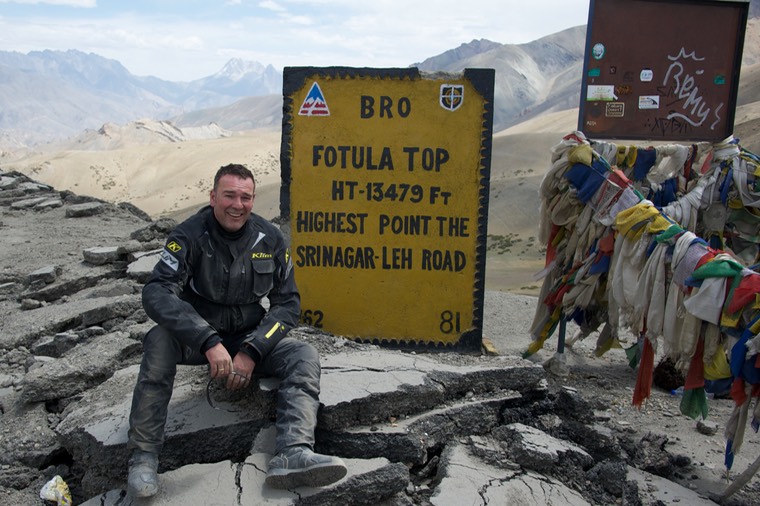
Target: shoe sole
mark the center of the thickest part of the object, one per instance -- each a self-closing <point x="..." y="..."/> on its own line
<point x="315" y="476"/>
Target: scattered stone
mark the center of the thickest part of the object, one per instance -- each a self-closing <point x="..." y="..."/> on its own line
<point x="650" y="455"/>
<point x="611" y="475"/>
<point x="142" y="267"/>
<point x="28" y="203"/>
<point x="33" y="187"/>
<point x="8" y="288"/>
<point x="667" y="376"/>
<point x="8" y="183"/>
<point x="51" y="203"/>
<point x="45" y="275"/>
<point x="133" y="209"/>
<point x="159" y="229"/>
<point x="707" y="427"/>
<point x="80" y="369"/>
<point x="572" y="405"/>
<point x="29" y="304"/>
<point x="101" y="255"/>
<point x="84" y="210"/>
<point x="537" y="450"/>
<point x="133" y="249"/>
<point x="55" y="346"/>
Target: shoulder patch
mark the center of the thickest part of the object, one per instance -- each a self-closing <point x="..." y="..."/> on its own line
<point x="169" y="260"/>
<point x="173" y="247"/>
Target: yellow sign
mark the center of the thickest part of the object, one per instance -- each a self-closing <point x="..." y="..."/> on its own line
<point x="385" y="179"/>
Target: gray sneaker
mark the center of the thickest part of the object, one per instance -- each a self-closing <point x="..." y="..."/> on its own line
<point x="143" y="480"/>
<point x="298" y="466"/>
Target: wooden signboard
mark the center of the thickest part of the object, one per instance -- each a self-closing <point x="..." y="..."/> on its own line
<point x="664" y="70"/>
<point x="385" y="178"/>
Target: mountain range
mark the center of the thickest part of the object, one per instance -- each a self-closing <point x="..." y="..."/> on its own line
<point x="48" y="96"/>
<point x="51" y="95"/>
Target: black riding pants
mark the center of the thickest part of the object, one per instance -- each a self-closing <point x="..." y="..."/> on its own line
<point x="294" y="363"/>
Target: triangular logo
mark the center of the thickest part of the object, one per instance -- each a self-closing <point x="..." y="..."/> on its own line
<point x="315" y="103"/>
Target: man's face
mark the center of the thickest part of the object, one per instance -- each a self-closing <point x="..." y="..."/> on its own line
<point x="232" y="201"/>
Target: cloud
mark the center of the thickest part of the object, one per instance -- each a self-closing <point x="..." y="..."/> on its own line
<point x="196" y="40"/>
<point x="272" y="6"/>
<point x="89" y="4"/>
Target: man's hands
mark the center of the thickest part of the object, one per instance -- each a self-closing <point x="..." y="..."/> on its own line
<point x="219" y="360"/>
<point x="238" y="371"/>
<point x="242" y="369"/>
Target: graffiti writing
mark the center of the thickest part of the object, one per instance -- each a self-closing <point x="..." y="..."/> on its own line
<point x="694" y="108"/>
<point x="669" y="125"/>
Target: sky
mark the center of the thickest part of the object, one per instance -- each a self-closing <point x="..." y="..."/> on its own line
<point x="183" y="40"/>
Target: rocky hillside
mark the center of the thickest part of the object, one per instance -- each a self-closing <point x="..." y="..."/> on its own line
<point x="541" y="76"/>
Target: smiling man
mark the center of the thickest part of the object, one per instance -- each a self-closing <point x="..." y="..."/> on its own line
<point x="205" y="296"/>
<point x="232" y="201"/>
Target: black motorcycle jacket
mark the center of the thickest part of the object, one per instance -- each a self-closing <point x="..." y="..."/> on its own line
<point x="210" y="282"/>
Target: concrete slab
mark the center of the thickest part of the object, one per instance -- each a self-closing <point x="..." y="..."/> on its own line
<point x="539" y="451"/>
<point x="409" y="438"/>
<point x="359" y="388"/>
<point x="27" y="326"/>
<point x="368" y="387"/>
<point x="227" y="482"/>
<point x="468" y="480"/>
<point x="657" y="490"/>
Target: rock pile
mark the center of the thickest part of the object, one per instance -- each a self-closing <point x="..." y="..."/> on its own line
<point x="414" y="429"/>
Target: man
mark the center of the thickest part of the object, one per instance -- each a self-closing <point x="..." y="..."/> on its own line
<point x="204" y="294"/>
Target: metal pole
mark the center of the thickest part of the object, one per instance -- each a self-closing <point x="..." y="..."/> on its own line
<point x="561" y="338"/>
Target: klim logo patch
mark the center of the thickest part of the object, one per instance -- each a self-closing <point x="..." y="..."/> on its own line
<point x="169" y="260"/>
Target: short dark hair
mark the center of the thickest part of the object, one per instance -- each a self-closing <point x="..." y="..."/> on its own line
<point x="234" y="169"/>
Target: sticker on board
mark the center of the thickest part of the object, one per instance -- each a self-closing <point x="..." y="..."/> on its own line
<point x="314" y="104"/>
<point x="452" y="96"/>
